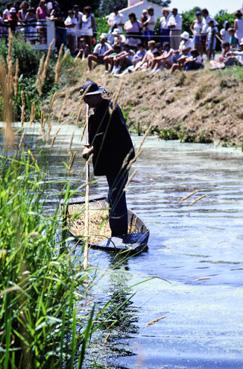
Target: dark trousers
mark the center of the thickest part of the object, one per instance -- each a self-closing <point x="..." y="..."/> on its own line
<point x="117" y="202"/>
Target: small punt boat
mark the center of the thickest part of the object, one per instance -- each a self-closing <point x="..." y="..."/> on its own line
<point x="135" y="242"/>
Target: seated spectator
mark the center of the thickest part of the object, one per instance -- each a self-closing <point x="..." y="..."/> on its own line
<point x="186" y="43"/>
<point x="148" y="59"/>
<point x="123" y="60"/>
<point x="110" y="56"/>
<point x="193" y="62"/>
<point x="165" y="60"/>
<point x="117" y="38"/>
<point x="83" y="52"/>
<point x="100" y="51"/>
<point x="224" y="59"/>
<point x="133" y="30"/>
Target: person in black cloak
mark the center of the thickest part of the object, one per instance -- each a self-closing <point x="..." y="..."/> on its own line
<point x="112" y="150"/>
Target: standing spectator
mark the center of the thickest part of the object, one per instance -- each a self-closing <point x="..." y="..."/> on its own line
<point x="143" y="20"/>
<point x="175" y="26"/>
<point x="6" y="12"/>
<point x="149" y="25"/>
<point x="206" y="19"/>
<point x="133" y="30"/>
<point x="70" y="24"/>
<point x="41" y="14"/>
<point x="24" y="6"/>
<point x="88" y="26"/>
<point x="211" y="39"/>
<point x="57" y="15"/>
<point x="233" y="41"/>
<point x="224" y="33"/>
<point x="12" y="19"/>
<point x="99" y="52"/>
<point x="164" y="26"/>
<point x="238" y="25"/>
<point x="30" y="19"/>
<point x="196" y="29"/>
<point x="78" y="15"/>
<point x="115" y="20"/>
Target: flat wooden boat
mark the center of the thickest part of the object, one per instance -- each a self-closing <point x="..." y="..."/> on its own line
<point x="135" y="242"/>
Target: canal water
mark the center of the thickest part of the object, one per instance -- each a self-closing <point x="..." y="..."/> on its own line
<point x="179" y="305"/>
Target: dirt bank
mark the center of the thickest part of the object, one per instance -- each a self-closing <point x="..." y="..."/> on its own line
<point x="205" y="106"/>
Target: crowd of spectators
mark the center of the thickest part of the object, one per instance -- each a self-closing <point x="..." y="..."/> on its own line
<point x="131" y="44"/>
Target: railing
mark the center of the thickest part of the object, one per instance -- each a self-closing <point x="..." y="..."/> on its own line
<point x="39" y="34"/>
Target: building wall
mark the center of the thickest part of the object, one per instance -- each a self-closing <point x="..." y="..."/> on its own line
<point x="138" y="7"/>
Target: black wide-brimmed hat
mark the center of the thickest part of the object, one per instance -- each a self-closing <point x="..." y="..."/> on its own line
<point x="91" y="88"/>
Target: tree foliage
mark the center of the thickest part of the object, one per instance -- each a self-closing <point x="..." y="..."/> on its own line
<point x="107" y="6"/>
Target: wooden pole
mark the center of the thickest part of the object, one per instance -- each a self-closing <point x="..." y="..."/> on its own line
<point x="86" y="221"/>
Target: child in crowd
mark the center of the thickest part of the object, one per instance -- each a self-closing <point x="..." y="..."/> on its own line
<point x="211" y="39"/>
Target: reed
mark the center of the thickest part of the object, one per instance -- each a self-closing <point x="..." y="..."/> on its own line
<point x="40" y="286"/>
<point x="58" y="66"/>
<point x="16" y="78"/>
<point x="32" y="113"/>
<point x="23" y="108"/>
<point x="43" y="68"/>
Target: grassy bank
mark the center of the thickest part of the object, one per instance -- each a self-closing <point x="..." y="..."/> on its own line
<point x="203" y="106"/>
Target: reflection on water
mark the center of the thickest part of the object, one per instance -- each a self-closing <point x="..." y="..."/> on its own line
<point x="195" y="257"/>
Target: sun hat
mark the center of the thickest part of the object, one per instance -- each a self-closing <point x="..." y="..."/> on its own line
<point x="103" y="36"/>
<point x="12" y="10"/>
<point x="116" y="32"/>
<point x="185" y="35"/>
<point x="90" y="88"/>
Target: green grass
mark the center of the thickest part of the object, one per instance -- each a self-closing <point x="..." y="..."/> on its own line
<point x="40" y="283"/>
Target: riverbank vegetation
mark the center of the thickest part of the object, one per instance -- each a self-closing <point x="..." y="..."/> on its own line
<point x="40" y="283"/>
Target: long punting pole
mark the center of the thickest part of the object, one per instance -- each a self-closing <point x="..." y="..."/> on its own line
<point x="86" y="220"/>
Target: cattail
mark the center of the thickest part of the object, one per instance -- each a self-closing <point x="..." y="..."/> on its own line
<point x="43" y="68"/>
<point x="23" y="107"/>
<point x="42" y="121"/>
<point x="58" y="67"/>
<point x="71" y="161"/>
<point x="32" y="113"/>
<point x="16" y="78"/>
<point x="38" y="82"/>
<point x="54" y="138"/>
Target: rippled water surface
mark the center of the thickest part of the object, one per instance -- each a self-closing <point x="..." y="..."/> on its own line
<point x="188" y="313"/>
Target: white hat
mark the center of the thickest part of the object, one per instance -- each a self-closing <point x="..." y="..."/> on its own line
<point x="185" y="35"/>
<point x="116" y="32"/>
<point x="12" y="10"/>
<point x="103" y="35"/>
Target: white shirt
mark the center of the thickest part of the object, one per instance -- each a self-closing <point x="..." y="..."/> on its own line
<point x="197" y="28"/>
<point x="224" y="35"/>
<point x="164" y="22"/>
<point x="100" y="48"/>
<point x="175" y="21"/>
<point x="151" y="23"/>
<point x="239" y="31"/>
<point x="86" y="29"/>
<point x="206" y="22"/>
<point x="115" y="19"/>
<point x="185" y="44"/>
<point x="70" y="21"/>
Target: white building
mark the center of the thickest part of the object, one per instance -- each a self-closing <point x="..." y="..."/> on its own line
<point x="137" y="6"/>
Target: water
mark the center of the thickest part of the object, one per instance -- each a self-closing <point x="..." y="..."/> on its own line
<point x="188" y="313"/>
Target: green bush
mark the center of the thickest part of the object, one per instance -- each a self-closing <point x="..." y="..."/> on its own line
<point x="27" y="56"/>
